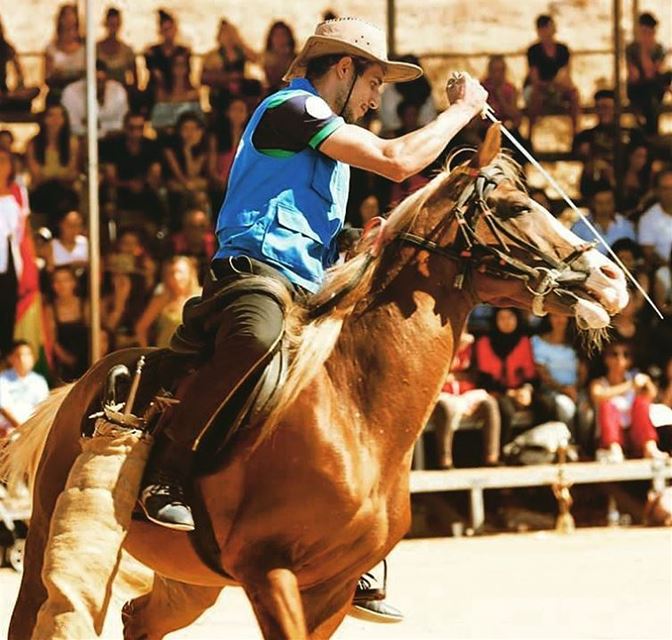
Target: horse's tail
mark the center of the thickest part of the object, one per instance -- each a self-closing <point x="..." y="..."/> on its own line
<point x="21" y="454"/>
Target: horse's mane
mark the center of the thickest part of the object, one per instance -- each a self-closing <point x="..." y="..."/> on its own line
<point x="311" y="341"/>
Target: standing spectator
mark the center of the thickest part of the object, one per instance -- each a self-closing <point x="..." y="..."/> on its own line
<point x="64" y="57"/>
<point x="116" y="54"/>
<point x="13" y="215"/>
<point x="418" y="92"/>
<point x="112" y="103"/>
<point x="227" y="134"/>
<point x="132" y="172"/>
<point x="622" y="398"/>
<point x="279" y="52"/>
<point x="611" y="225"/>
<point x="177" y="95"/>
<point x="505" y="367"/>
<point x="655" y="226"/>
<point x="158" y="57"/>
<point x="67" y="323"/>
<point x="647" y="82"/>
<point x="461" y="399"/>
<point x="188" y="162"/>
<point x="549" y="83"/>
<point x="21" y="389"/>
<point x="224" y="69"/>
<point x="52" y="157"/>
<point x="164" y="312"/>
<point x="557" y="367"/>
<point x="20" y="97"/>
<point x="70" y="246"/>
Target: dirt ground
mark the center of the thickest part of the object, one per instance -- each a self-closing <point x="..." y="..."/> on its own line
<point x="597" y="583"/>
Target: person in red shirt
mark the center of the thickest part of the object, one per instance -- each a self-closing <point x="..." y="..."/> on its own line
<point x="505" y="366"/>
<point x="461" y="399"/>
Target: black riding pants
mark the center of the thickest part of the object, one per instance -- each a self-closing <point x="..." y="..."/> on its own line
<point x="249" y="330"/>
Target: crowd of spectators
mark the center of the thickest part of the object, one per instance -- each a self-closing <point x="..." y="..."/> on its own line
<point x="165" y="155"/>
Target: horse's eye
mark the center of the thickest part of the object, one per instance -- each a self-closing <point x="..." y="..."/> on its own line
<point x="518" y="209"/>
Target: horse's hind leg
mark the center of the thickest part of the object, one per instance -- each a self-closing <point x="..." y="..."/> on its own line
<point x="169" y="606"/>
<point x="276" y="601"/>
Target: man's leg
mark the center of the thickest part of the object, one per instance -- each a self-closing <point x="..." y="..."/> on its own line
<point x="249" y="330"/>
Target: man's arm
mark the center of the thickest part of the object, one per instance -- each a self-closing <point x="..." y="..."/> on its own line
<point x="400" y="158"/>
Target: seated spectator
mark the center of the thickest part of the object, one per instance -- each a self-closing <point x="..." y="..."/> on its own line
<point x="502" y="94"/>
<point x="655" y="226"/>
<point x="278" y="54"/>
<point x="636" y="181"/>
<point x="175" y="96"/>
<point x="459" y="400"/>
<point x="188" y="162"/>
<point x="52" y="157"/>
<point x="112" y="103"/>
<point x="549" y="83"/>
<point x="21" y="389"/>
<point x="227" y="134"/>
<point x="647" y="82"/>
<point x="116" y="54"/>
<point x="13" y="223"/>
<point x="631" y="255"/>
<point x="129" y="279"/>
<point x="418" y="92"/>
<point x="67" y="320"/>
<point x="505" y="367"/>
<point x="224" y="69"/>
<point x="557" y="367"/>
<point x="662" y="288"/>
<point x="595" y="146"/>
<point x="369" y="208"/>
<point x="64" y="58"/>
<point x="70" y="246"/>
<point x="20" y="97"/>
<point x="622" y="398"/>
<point x="132" y="172"/>
<point x="164" y="312"/>
<point x="196" y="239"/>
<point x="612" y="226"/>
<point x="159" y="57"/>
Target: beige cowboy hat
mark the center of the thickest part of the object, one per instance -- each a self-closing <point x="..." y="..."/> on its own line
<point x="351" y="36"/>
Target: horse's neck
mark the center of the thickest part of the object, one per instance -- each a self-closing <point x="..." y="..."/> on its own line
<point x="396" y="357"/>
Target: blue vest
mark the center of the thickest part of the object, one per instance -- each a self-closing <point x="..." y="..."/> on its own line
<point x="287" y="209"/>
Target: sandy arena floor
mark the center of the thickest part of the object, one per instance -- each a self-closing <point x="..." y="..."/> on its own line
<point x="597" y="583"/>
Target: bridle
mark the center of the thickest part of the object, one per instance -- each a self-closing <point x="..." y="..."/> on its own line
<point x="547" y="275"/>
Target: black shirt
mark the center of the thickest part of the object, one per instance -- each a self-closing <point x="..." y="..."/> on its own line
<point x="546" y="66"/>
<point x="129" y="167"/>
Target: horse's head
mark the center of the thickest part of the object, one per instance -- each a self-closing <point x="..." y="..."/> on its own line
<point x="511" y="250"/>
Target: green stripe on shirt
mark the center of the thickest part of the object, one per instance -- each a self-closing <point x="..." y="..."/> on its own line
<point x="325" y="132"/>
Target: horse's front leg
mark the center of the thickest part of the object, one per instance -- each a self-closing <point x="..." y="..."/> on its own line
<point x="325" y="607"/>
<point x="169" y="606"/>
<point x="276" y="600"/>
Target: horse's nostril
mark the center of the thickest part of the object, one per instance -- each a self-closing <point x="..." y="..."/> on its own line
<point x="610" y="272"/>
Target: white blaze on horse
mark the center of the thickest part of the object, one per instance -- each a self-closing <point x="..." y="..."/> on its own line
<point x="320" y="494"/>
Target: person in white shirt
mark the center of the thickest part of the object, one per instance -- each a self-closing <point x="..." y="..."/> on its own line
<point x="655" y="226"/>
<point x="112" y="103"/>
<point x="21" y="389"/>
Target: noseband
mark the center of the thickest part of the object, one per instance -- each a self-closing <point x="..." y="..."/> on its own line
<point x="547" y="275"/>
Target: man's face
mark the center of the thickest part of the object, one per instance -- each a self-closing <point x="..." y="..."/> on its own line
<point x="603" y="205"/>
<point x="546" y="32"/>
<point x="647" y="35"/>
<point x="134" y="128"/>
<point x="664" y="191"/>
<point x="22" y="360"/>
<point x="604" y="108"/>
<point x="365" y="94"/>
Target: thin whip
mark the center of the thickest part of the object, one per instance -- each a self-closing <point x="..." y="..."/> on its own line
<point x="490" y="114"/>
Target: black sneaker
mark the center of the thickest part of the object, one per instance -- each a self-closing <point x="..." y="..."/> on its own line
<point x="164" y="504"/>
<point x="369" y="604"/>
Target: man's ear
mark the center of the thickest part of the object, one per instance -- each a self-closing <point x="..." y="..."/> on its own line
<point x="343" y="66"/>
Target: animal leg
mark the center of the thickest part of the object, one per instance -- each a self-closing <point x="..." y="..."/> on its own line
<point x="325" y="607"/>
<point x="169" y="606"/>
<point x="276" y="601"/>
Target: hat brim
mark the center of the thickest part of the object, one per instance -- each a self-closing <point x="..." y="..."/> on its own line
<point x="318" y="46"/>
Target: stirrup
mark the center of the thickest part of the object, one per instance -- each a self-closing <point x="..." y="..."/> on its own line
<point x="365" y="592"/>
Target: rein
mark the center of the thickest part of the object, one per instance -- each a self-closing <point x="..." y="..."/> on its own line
<point x="498" y="260"/>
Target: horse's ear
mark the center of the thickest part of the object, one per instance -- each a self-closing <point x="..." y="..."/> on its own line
<point x="489" y="148"/>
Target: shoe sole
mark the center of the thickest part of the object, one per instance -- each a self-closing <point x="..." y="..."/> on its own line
<point x="168" y="525"/>
<point x="362" y="613"/>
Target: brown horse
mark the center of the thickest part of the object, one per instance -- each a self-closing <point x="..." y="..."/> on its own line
<point x="323" y="495"/>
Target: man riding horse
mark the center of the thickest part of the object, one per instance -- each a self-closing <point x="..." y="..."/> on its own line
<point x="283" y="210"/>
